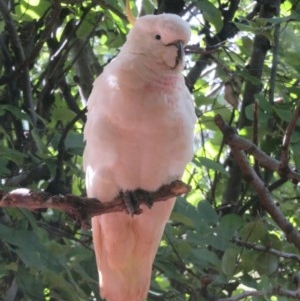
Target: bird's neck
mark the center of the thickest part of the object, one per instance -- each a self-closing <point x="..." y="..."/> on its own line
<point x="165" y="84"/>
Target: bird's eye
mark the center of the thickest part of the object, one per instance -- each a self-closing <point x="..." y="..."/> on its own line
<point x="157" y="37"/>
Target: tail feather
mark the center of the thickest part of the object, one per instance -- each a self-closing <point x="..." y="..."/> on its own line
<point x="125" y="249"/>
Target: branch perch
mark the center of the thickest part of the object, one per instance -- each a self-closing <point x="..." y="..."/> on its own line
<point x="82" y="208"/>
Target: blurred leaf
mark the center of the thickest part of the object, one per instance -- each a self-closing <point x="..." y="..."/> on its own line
<point x="229" y="261"/>
<point x="230" y="224"/>
<point x="15" y="112"/>
<point x="32" y="9"/>
<point x="264" y="104"/>
<point x="210" y="164"/>
<point x="27" y="245"/>
<point x="63" y="114"/>
<point x="211" y="13"/>
<point x="207" y="213"/>
<point x="187" y="214"/>
<point x="253" y="231"/>
<point x="205" y="258"/>
<point x="266" y="264"/>
<point x="30" y="285"/>
<point x="74" y="142"/>
<point x="12" y="155"/>
<point x="284" y="114"/>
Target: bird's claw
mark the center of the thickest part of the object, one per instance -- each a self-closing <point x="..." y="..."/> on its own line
<point x="132" y="200"/>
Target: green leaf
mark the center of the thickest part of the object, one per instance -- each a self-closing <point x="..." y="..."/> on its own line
<point x="204" y="258"/>
<point x="211" y="13"/>
<point x="266" y="264"/>
<point x="32" y="9"/>
<point x="249" y="112"/>
<point x="74" y="142"/>
<point x="246" y="26"/>
<point x="29" y="284"/>
<point x="29" y="248"/>
<point x="186" y="214"/>
<point x="207" y="213"/>
<point x="63" y="114"/>
<point x="284" y="114"/>
<point x="253" y="231"/>
<point x="295" y="147"/>
<point x="263" y="103"/>
<point x="230" y="224"/>
<point x="183" y="219"/>
<point x="12" y="155"/>
<point x="15" y="111"/>
<point x="87" y="25"/>
<point x="248" y="257"/>
<point x="210" y="164"/>
<point x="38" y="141"/>
<point x="229" y="261"/>
<point x="4" y="171"/>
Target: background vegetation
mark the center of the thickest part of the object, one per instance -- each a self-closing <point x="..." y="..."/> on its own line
<point x="223" y="242"/>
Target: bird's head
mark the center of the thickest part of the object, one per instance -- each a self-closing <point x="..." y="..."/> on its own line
<point x="160" y="38"/>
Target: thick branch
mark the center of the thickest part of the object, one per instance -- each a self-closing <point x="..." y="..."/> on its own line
<point x="20" y="56"/>
<point x="261" y="45"/>
<point x="238" y="145"/>
<point x="235" y="141"/>
<point x="82" y="208"/>
<point x="265" y="198"/>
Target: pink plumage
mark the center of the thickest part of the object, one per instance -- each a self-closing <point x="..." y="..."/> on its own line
<point x="139" y="134"/>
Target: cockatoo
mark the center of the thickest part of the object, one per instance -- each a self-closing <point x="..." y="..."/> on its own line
<point x="139" y="135"/>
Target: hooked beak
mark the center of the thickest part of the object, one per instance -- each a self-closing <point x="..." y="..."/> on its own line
<point x="180" y="52"/>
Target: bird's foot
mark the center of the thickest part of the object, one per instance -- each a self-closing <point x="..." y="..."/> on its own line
<point x="133" y="199"/>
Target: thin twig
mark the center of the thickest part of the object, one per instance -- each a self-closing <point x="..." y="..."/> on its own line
<point x="287" y="138"/>
<point x="262" y="248"/>
<point x="256" y="133"/>
<point x="61" y="144"/>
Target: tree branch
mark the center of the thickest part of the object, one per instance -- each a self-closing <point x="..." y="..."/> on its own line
<point x="234" y="141"/>
<point x="261" y="45"/>
<point x="238" y="146"/>
<point x="82" y="208"/>
<point x="287" y="138"/>
<point x="20" y="56"/>
<point x="277" y="291"/>
<point x="275" y="60"/>
<point x="264" y="249"/>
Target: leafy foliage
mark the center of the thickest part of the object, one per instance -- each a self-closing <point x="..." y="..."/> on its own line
<point x="220" y="243"/>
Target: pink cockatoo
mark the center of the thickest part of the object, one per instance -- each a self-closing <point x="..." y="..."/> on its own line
<point x="139" y="135"/>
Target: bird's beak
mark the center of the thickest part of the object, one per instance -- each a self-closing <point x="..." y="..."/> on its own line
<point x="180" y="52"/>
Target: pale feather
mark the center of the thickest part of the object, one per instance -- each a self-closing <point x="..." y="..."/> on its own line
<point x="139" y="134"/>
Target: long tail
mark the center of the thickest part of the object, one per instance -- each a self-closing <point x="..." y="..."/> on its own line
<point x="125" y="249"/>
